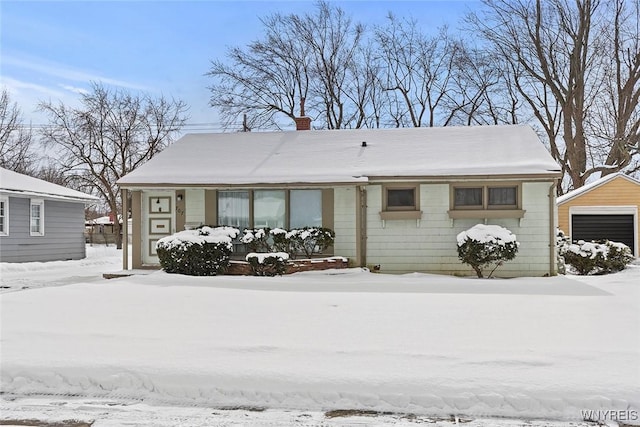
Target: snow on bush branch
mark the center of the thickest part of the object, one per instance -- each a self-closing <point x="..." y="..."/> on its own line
<point x="268" y="264"/>
<point x="204" y="251"/>
<point x="306" y="241"/>
<point x="483" y="245"/>
<point x="593" y="257"/>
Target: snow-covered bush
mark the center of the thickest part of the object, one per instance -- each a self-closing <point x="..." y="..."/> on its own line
<point x="483" y="245"/>
<point x="306" y="241"/>
<point x="257" y="239"/>
<point x="618" y="256"/>
<point x="562" y="243"/>
<point x="268" y="264"/>
<point x="201" y="252"/>
<point x="596" y="258"/>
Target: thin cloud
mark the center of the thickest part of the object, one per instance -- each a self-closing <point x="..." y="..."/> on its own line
<point x="74" y="89"/>
<point x="67" y="73"/>
<point x="17" y="87"/>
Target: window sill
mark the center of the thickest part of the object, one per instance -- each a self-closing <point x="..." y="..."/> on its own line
<point x="400" y="215"/>
<point x="486" y="213"/>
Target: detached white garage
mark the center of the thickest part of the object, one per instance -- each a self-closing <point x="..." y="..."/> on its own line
<point x="604" y="209"/>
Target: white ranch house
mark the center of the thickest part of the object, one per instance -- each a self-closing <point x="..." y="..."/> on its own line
<point x="396" y="198"/>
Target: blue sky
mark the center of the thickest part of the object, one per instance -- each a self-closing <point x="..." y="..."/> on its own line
<point x="52" y="50"/>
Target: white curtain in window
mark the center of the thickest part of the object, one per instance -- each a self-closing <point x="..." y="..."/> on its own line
<point x="305" y="208"/>
<point x="502" y="196"/>
<point x="269" y="208"/>
<point x="233" y="209"/>
<point x="468" y="197"/>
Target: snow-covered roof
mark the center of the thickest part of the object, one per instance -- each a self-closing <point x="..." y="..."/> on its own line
<point x="592" y="185"/>
<point x="338" y="156"/>
<point x="23" y="185"/>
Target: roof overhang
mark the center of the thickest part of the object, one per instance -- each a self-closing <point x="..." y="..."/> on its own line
<point x="31" y="194"/>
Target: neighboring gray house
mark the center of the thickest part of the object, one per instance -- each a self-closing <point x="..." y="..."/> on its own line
<point x="40" y="221"/>
<point x="396" y="198"/>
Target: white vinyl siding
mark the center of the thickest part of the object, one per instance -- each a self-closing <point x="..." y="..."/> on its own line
<point x="194" y="207"/>
<point x="429" y="244"/>
<point x="36" y="223"/>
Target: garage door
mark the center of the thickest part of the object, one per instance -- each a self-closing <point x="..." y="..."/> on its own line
<point x="617" y="228"/>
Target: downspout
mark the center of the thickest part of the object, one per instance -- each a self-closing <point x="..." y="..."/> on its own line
<point x="552" y="229"/>
<point x="363" y="224"/>
<point x="125" y="229"/>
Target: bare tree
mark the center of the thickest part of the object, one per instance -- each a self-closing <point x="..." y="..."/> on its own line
<point x="615" y="118"/>
<point x="480" y="92"/>
<point x="317" y="56"/>
<point x="264" y="80"/>
<point x="565" y="58"/>
<point x="417" y="72"/>
<point x="111" y="134"/>
<point x="16" y="152"/>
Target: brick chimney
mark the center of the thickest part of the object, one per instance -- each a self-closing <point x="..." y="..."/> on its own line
<point x="302" y="122"/>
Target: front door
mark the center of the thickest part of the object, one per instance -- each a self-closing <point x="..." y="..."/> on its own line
<point x="158" y="221"/>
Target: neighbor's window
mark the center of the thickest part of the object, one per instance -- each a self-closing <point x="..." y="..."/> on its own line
<point x="305" y="208"/>
<point x="401" y="199"/>
<point x="37" y="218"/>
<point x="4" y="216"/>
<point x="233" y="209"/>
<point x="468" y="197"/>
<point x="503" y="197"/>
<point x="269" y="208"/>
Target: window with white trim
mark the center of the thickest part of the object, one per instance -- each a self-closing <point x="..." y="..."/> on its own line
<point x="36" y="222"/>
<point x="4" y="216"/>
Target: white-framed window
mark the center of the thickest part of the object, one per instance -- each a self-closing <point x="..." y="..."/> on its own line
<point x="4" y="216"/>
<point x="36" y="223"/>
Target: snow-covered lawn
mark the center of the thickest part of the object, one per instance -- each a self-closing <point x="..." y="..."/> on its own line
<point x="542" y="348"/>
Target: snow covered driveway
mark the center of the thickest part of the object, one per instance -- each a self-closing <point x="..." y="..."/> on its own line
<point x="421" y="344"/>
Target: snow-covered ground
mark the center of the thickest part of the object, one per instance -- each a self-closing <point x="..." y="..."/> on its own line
<point x="163" y="349"/>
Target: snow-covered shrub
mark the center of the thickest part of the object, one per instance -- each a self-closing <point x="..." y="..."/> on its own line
<point x="268" y="264"/>
<point x="562" y="243"/>
<point x="483" y="245"/>
<point x="306" y="241"/>
<point x="585" y="257"/>
<point x="257" y="239"/>
<point x="618" y="256"/>
<point x="201" y="252"/>
<point x="597" y="258"/>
